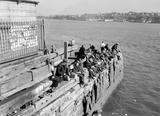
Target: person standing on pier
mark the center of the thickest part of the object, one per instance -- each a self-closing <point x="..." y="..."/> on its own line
<point x="102" y="46"/>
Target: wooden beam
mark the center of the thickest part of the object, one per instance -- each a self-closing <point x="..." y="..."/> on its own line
<point x="46" y="100"/>
<point x="15" y="101"/>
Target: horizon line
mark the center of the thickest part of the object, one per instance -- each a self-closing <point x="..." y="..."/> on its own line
<point x="101" y="13"/>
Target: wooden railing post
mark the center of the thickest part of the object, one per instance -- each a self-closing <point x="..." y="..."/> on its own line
<point x="66" y="51"/>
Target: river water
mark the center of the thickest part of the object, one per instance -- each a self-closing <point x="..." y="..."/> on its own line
<point x="139" y="92"/>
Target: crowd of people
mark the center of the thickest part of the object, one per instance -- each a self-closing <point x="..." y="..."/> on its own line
<point x="92" y="59"/>
<point x="105" y="50"/>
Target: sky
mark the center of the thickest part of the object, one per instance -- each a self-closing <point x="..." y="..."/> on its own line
<point x="54" y="7"/>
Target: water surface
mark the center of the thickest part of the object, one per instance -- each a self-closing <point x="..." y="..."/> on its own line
<point x="139" y="92"/>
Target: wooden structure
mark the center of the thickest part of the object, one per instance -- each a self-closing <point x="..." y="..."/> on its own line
<point x="26" y="88"/>
<point x="29" y="84"/>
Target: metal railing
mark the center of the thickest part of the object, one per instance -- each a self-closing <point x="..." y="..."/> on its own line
<point x="20" y="39"/>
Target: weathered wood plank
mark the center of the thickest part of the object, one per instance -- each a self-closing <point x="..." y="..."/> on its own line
<point x="37" y="76"/>
<point x="21" y="77"/>
<point x="40" y="73"/>
<point x="22" y="81"/>
<point x="88" y="87"/>
<point x="69" y="111"/>
<point x="79" y="110"/>
<point x="31" y="63"/>
<point x="111" y="73"/>
<point x="27" y="112"/>
<point x="16" y="82"/>
<point x="105" y="79"/>
<point x="70" y="97"/>
<point x="17" y="100"/>
<point x="50" y="109"/>
<point x="62" y="102"/>
<point x="42" y="103"/>
<point x="58" y="92"/>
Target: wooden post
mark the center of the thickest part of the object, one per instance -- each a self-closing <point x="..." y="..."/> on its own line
<point x="43" y="36"/>
<point x="66" y="51"/>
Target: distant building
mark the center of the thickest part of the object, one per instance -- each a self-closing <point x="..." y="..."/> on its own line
<point x="108" y="20"/>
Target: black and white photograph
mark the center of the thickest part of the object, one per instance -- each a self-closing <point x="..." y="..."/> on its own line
<point x="79" y="57"/>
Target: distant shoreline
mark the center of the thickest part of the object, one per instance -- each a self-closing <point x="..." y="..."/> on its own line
<point x="96" y="21"/>
<point x="132" y="17"/>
